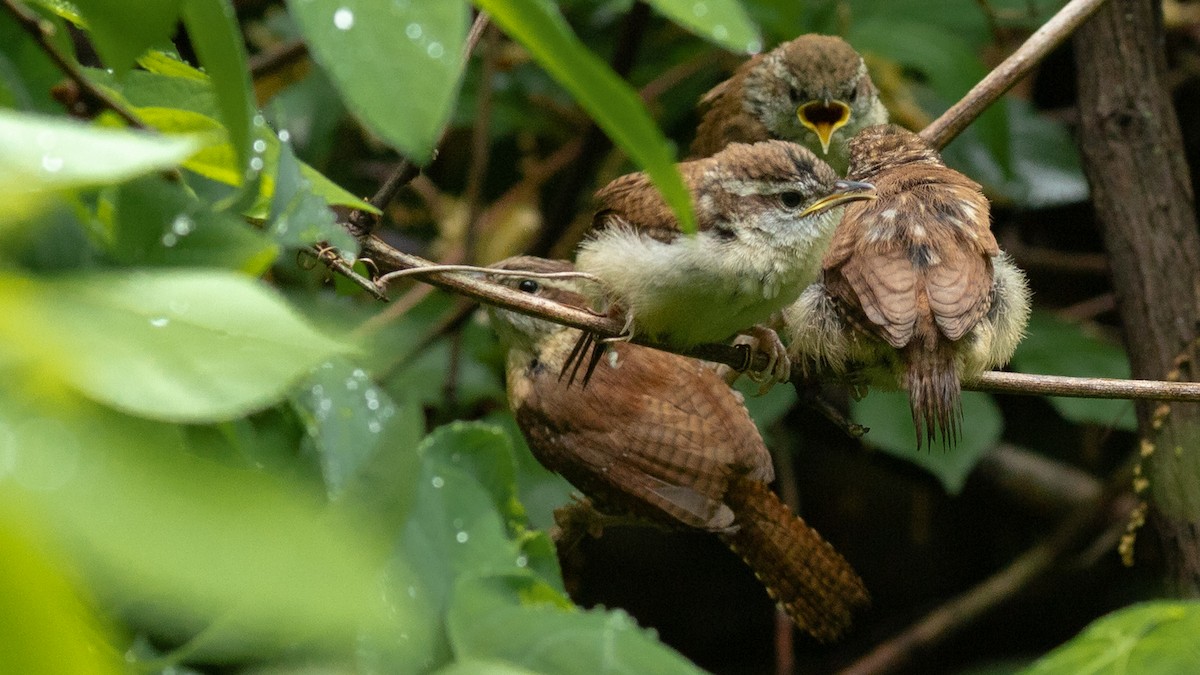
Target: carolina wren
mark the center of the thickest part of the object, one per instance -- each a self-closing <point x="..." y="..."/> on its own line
<point x="915" y="291"/>
<point x="661" y="437"/>
<point x="814" y="90"/>
<point x="764" y="216"/>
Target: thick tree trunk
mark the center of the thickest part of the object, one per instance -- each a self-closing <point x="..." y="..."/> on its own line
<point x="1143" y="198"/>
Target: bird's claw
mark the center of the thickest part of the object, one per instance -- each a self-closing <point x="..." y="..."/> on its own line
<point x="763" y="340"/>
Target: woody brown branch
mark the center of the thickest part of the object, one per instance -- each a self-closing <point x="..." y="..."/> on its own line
<point x="996" y="382"/>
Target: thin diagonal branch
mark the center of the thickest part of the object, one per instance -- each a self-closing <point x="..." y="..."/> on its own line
<point x="1009" y="72"/>
<point x="42" y="32"/>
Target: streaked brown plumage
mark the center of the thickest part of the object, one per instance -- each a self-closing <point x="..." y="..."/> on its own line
<point x="915" y="269"/>
<point x="814" y="90"/>
<point x="663" y="438"/>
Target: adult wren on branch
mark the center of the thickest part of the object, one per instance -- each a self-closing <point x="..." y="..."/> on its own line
<point x="764" y="214"/>
<point x="814" y="90"/>
<point x="915" y="291"/>
<point x="661" y="437"/>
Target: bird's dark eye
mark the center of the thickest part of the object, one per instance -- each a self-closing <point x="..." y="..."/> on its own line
<point x="791" y="200"/>
<point x="853" y="95"/>
<point x="795" y="93"/>
<point x="528" y="286"/>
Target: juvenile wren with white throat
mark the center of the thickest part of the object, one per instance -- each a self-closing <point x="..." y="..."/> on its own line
<point x="764" y="213"/>
<point x="915" y="291"/>
<point x="662" y="438"/>
<point x="814" y="90"/>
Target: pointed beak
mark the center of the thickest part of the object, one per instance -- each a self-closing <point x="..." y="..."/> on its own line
<point x="824" y="118"/>
<point x="843" y="191"/>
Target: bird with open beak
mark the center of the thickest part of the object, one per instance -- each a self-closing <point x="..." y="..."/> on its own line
<point x="814" y="90"/>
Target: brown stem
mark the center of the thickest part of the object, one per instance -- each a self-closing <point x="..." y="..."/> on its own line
<point x="1009" y="72"/>
<point x="362" y="223"/>
<point x="42" y="32"/>
<point x="480" y="147"/>
<point x="1142" y="192"/>
<point x="994" y="381"/>
<point x="277" y="58"/>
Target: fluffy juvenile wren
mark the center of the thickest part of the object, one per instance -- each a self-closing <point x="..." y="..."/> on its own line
<point x="915" y="291"/>
<point x="661" y="437"/>
<point x="764" y="215"/>
<point x="814" y="90"/>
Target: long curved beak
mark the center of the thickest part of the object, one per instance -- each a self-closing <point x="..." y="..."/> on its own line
<point x="824" y="118"/>
<point x="843" y="191"/>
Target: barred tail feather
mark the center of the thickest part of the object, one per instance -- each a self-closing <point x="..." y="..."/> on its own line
<point x="934" y="393"/>
<point x="818" y="589"/>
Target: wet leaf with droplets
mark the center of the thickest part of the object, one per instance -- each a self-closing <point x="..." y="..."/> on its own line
<point x="158" y="223"/>
<point x="40" y="156"/>
<point x="195" y="346"/>
<point x="397" y="64"/>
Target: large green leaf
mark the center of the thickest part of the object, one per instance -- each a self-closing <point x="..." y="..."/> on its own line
<point x="172" y="345"/>
<point x="40" y="156"/>
<point x="1154" y="637"/>
<point x="48" y="627"/>
<point x="887" y="415"/>
<point x="614" y="105"/>
<point x="217" y="39"/>
<point x="179" y="543"/>
<point x="123" y="30"/>
<point x="722" y="21"/>
<point x="520" y="621"/>
<point x="1056" y="347"/>
<point x="397" y="64"/>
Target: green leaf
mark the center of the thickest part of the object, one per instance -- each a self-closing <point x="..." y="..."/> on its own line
<point x="181" y="346"/>
<point x="381" y="54"/>
<point x="1153" y="637"/>
<point x="1045" y="160"/>
<point x="722" y="21"/>
<point x="157" y="223"/>
<point x="217" y="160"/>
<point x="614" y="105"/>
<point x="350" y="420"/>
<point x="48" y="628"/>
<point x="541" y="490"/>
<point x="766" y="409"/>
<point x="123" y="30"/>
<point x="522" y="622"/>
<point x="1057" y="347"/>
<point x="887" y="415"/>
<point x="300" y="217"/>
<point x="217" y="39"/>
<point x="40" y="156"/>
<point x="947" y="60"/>
<point x="182" y="544"/>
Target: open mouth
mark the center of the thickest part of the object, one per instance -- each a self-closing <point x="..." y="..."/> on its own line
<point x="824" y="118"/>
